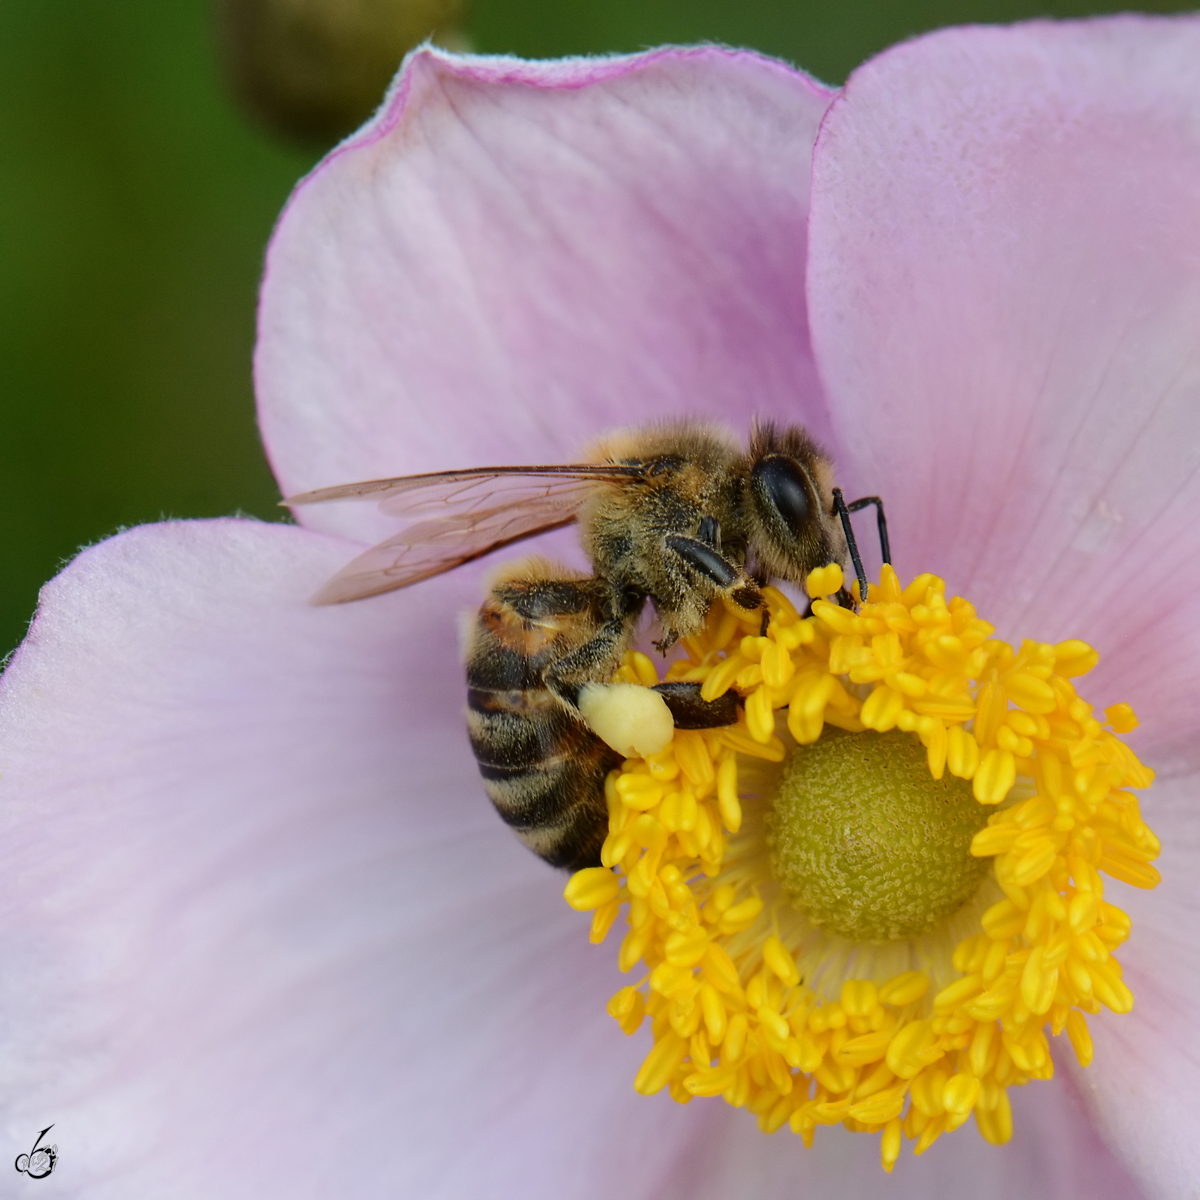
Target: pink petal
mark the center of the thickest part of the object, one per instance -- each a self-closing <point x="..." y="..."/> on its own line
<point x="515" y="257"/>
<point x="264" y="935"/>
<point x="1145" y="1082"/>
<point x="1005" y="302"/>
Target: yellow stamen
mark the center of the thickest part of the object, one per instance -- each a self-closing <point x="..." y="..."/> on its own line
<point x="748" y="997"/>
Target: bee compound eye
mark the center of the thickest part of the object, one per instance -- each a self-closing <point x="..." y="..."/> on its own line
<point x="780" y="483"/>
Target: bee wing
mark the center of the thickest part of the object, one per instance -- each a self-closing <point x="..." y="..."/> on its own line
<point x="467" y="490"/>
<point x="478" y="511"/>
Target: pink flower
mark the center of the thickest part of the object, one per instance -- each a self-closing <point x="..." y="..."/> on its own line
<point x="264" y="934"/>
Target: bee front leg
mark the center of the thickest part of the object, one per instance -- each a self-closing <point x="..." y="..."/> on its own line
<point x="708" y="562"/>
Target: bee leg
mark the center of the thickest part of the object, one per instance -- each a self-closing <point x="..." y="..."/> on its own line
<point x="597" y="659"/>
<point x="706" y="561"/>
<point x="691" y="712"/>
<point x="667" y="640"/>
<point x="839" y="506"/>
<point x="885" y="548"/>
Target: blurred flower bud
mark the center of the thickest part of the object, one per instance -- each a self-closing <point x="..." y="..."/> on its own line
<point x="316" y="69"/>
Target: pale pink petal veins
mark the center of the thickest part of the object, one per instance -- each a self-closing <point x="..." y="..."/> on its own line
<point x="1005" y="303"/>
<point x="263" y="935"/>
<point x="515" y="257"/>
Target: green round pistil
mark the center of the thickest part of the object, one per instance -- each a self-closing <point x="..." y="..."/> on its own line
<point x="867" y="842"/>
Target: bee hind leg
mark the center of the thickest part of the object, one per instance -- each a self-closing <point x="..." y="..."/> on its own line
<point x="689" y="711"/>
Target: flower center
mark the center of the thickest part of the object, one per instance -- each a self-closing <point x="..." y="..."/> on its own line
<point x="867" y="842"/>
<point x="871" y="900"/>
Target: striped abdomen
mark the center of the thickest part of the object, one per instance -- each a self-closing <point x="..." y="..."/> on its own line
<point x="543" y="768"/>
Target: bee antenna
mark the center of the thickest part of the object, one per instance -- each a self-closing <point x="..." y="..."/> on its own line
<point x="839" y="505"/>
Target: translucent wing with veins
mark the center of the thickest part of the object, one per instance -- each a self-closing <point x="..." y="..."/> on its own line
<point x="467" y="514"/>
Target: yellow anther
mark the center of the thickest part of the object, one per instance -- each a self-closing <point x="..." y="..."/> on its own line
<point x="946" y="652"/>
<point x="641" y="792"/>
<point x="1081" y="1039"/>
<point x="927" y="1090"/>
<point x="590" y="888"/>
<point x="1023" y="723"/>
<point x="602" y="921"/>
<point x="727" y="794"/>
<point x="962" y="752"/>
<point x="720" y="679"/>
<point x="760" y="716"/>
<point x="719" y="969"/>
<point x="751" y="648"/>
<point x="881" y="709"/>
<point x="643" y="668"/>
<point x="911" y="1049"/>
<point x="783" y="611"/>
<point x="904" y="989"/>
<point x="1035" y="861"/>
<point x="824" y="581"/>
<point x="909" y="685"/>
<point x="995" y="776"/>
<point x="741" y="914"/>
<point x="773" y="1023"/>
<point x="1074" y="658"/>
<point x="694" y="758"/>
<point x="1121" y="717"/>
<point x="860" y="997"/>
<point x="866" y="1048"/>
<point x="1031" y="693"/>
<point x="715" y="1015"/>
<point x="980" y="1052"/>
<point x="669" y="978"/>
<point x="663" y="767"/>
<point x="627" y="1008"/>
<point x="686" y="948"/>
<point x="735" y="1039"/>
<point x="838" y="619"/>
<point x="996" y="1125"/>
<point x="777" y="665"/>
<point x="779" y="960"/>
<point x="959" y="992"/>
<point x="710" y="1083"/>
<point x="659" y="1065"/>
<point x="1108" y="986"/>
<point x="995" y="839"/>
<point x="889" y="1146"/>
<point x="991" y="708"/>
<point x="960" y="1093"/>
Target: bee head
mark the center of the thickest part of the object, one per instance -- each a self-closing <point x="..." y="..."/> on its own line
<point x="790" y="499"/>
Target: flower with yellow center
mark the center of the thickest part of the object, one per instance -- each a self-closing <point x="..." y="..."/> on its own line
<point x="869" y="901"/>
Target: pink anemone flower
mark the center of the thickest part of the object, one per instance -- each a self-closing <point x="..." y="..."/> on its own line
<point x="264" y="934"/>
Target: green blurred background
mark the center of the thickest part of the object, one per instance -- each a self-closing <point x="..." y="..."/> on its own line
<point x="135" y="202"/>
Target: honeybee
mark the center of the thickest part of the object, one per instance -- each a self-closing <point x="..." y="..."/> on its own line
<point x="678" y="515"/>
